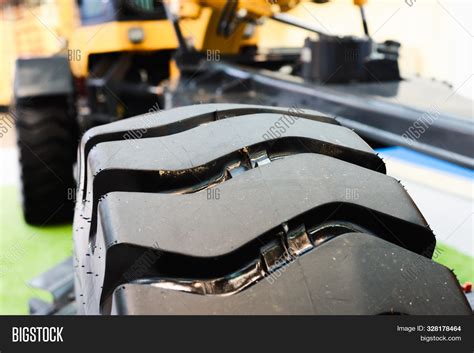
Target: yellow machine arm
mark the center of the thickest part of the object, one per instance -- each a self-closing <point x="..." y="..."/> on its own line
<point x="252" y="8"/>
<point x="225" y="29"/>
<point x="227" y="22"/>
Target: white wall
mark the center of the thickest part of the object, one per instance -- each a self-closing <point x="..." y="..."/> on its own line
<point x="436" y="36"/>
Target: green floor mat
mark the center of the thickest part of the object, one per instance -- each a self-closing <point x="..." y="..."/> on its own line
<point x="26" y="252"/>
<point x="461" y="264"/>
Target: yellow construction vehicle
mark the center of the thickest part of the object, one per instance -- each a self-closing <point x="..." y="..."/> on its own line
<point x="109" y="67"/>
<point x="115" y="65"/>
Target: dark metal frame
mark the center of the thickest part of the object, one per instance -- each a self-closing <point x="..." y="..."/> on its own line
<point x="374" y="117"/>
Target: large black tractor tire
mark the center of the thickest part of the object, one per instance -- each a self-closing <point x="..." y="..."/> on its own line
<point x="47" y="137"/>
<point x="237" y="209"/>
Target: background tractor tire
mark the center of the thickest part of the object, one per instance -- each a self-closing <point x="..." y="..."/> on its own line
<point x="238" y="209"/>
<point x="47" y="137"/>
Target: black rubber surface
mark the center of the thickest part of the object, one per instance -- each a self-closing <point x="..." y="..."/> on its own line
<point x="353" y="274"/>
<point x="47" y="141"/>
<point x="182" y="212"/>
<point x="42" y="77"/>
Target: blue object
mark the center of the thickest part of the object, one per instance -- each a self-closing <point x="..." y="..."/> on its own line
<point x="424" y="160"/>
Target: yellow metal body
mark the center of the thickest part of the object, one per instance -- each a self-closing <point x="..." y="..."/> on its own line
<point x="201" y="30"/>
<point x="212" y="41"/>
<point x="114" y="37"/>
<point x="200" y="19"/>
<point x="253" y="8"/>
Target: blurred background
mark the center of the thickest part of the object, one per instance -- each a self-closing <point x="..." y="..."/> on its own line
<point x="436" y="38"/>
<point x="436" y="35"/>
